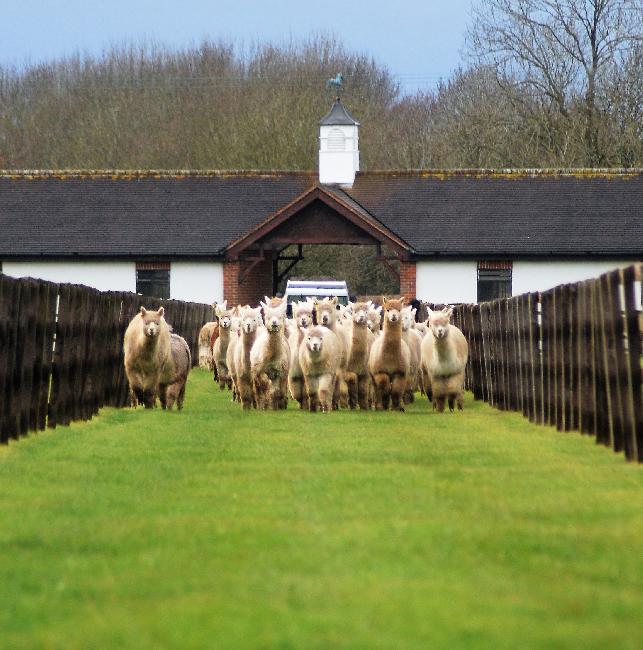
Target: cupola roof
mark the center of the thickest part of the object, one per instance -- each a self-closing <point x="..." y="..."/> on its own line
<point x="338" y="116"/>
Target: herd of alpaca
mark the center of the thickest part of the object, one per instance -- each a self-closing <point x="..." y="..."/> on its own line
<point x="327" y="356"/>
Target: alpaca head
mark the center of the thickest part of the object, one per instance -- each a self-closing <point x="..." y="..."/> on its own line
<point x="439" y="322"/>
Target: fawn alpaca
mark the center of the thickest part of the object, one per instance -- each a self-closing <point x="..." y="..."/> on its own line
<point x="358" y="377"/>
<point x="303" y="318"/>
<point x="389" y="360"/>
<point x="327" y="315"/>
<point x="249" y="323"/>
<point x="148" y="356"/>
<point x="270" y="359"/>
<point x="220" y="349"/>
<point x="319" y="361"/>
<point x="444" y="356"/>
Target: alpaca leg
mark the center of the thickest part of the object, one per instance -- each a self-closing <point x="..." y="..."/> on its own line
<point x="398" y="389"/>
<point x="363" y="386"/>
<point x="245" y="394"/>
<point x="180" y="400"/>
<point x="325" y="387"/>
<point x="312" y="384"/>
<point x="382" y="390"/>
<point x="295" y="384"/>
<point x="352" y="385"/>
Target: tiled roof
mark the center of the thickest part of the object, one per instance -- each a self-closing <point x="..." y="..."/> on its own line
<point x="475" y="213"/>
<point x="509" y="213"/>
<point x="144" y="214"/>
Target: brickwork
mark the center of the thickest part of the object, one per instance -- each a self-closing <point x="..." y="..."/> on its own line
<point x="407" y="279"/>
<point x="255" y="285"/>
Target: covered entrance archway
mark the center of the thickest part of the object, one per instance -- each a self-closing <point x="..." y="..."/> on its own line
<point x="321" y="215"/>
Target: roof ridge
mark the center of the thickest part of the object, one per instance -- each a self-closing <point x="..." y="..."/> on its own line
<point x="579" y="172"/>
<point x="133" y="174"/>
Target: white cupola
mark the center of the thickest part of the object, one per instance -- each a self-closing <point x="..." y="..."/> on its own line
<point x="338" y="146"/>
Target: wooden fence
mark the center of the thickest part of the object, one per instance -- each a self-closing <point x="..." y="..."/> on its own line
<point x="61" y="350"/>
<point x="569" y="357"/>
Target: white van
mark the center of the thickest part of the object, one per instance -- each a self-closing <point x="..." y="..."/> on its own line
<point x="297" y="290"/>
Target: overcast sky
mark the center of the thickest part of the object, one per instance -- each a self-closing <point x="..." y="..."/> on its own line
<point x="419" y="40"/>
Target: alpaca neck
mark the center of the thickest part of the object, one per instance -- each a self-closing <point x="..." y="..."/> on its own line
<point x="247" y="339"/>
<point x="274" y="343"/>
<point x="224" y="334"/>
<point x="441" y="347"/>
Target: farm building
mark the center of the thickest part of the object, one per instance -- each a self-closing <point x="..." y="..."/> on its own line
<point x="459" y="236"/>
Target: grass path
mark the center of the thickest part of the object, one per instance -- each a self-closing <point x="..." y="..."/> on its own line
<point x="218" y="528"/>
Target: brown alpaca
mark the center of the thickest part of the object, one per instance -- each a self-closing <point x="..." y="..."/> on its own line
<point x="174" y="390"/>
<point x="148" y="356"/>
<point x="444" y="356"/>
<point x="389" y="361"/>
<point x="358" y="377"/>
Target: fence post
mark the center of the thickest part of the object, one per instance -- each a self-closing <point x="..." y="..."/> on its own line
<point x="634" y="326"/>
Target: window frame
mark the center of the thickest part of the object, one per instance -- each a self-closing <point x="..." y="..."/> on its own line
<point x="498" y="276"/>
<point x="159" y="275"/>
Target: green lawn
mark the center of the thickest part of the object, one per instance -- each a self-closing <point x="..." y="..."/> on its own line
<point x="219" y="528"/>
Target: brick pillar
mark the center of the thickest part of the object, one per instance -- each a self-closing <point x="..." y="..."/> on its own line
<point x="231" y="282"/>
<point x="257" y="282"/>
<point x="407" y="279"/>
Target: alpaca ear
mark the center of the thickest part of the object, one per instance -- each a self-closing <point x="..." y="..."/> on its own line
<point x="264" y="306"/>
<point x="333" y="300"/>
<point x="448" y="312"/>
<point x="369" y="303"/>
<point x="403" y="300"/>
<point x="383" y="300"/>
<point x="161" y="311"/>
<point x="143" y="311"/>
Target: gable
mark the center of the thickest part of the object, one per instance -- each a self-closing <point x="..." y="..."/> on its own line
<point x="318" y="223"/>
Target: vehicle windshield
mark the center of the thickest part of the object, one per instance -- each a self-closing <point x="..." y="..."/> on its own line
<point x="293" y="297"/>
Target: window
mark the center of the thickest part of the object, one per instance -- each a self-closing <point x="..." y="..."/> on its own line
<point x="153" y="279"/>
<point x="336" y="140"/>
<point x="494" y="280"/>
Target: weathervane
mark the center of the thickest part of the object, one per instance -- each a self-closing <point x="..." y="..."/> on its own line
<point x="335" y="83"/>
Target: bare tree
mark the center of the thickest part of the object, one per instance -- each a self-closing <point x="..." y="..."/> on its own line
<point x="560" y="49"/>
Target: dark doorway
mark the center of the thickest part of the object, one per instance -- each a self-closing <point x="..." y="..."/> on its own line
<point x="360" y="266"/>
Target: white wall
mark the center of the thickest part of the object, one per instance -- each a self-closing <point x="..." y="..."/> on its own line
<point x="456" y="281"/>
<point x="447" y="281"/>
<point x="197" y="281"/>
<point x="106" y="276"/>
<point x="543" y="274"/>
